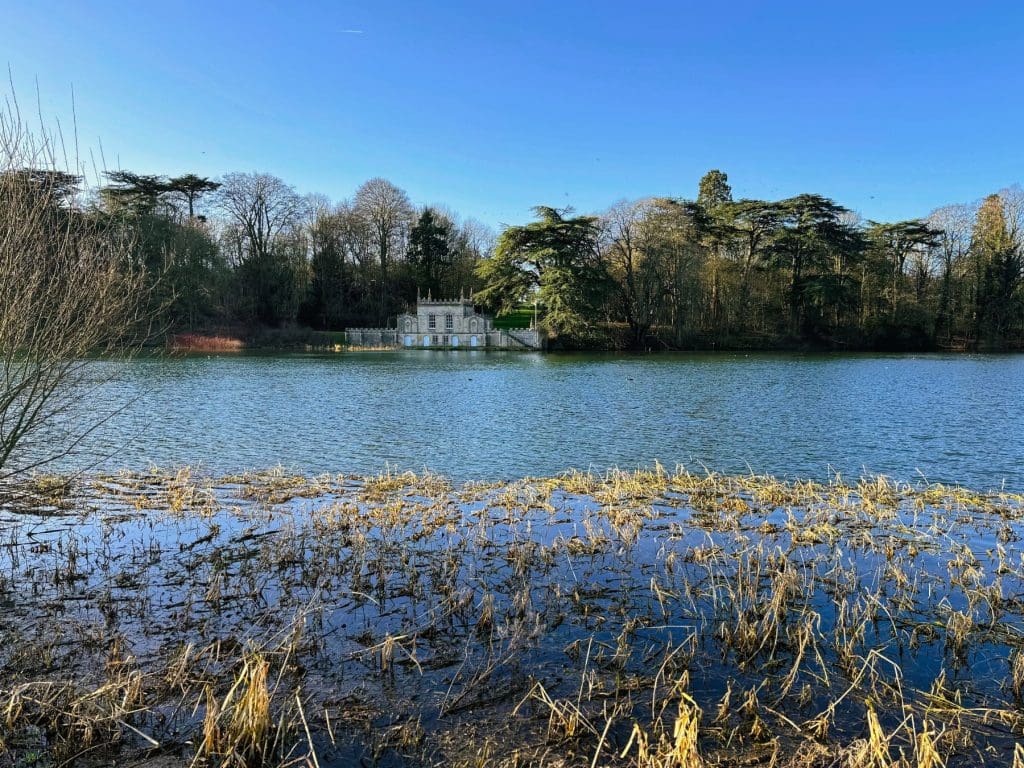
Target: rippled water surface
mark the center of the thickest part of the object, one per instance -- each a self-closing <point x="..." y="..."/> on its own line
<point x="492" y="415"/>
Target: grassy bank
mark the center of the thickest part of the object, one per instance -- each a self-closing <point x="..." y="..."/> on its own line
<point x="636" y="619"/>
<point x="521" y="317"/>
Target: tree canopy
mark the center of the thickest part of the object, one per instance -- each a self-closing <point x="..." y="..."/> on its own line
<point x="246" y="250"/>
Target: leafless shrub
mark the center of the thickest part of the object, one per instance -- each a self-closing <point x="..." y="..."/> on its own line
<point x="69" y="290"/>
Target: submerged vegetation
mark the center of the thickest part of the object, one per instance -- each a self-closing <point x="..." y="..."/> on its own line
<point x="647" y="619"/>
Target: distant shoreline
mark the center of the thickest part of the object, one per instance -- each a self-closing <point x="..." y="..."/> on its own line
<point x="308" y="340"/>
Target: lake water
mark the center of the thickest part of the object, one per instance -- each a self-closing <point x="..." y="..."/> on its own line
<point x="476" y="415"/>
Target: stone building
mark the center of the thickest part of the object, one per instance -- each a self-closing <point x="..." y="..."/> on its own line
<point x="448" y="324"/>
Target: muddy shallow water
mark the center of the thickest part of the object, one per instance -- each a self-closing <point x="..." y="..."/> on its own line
<point x="406" y="620"/>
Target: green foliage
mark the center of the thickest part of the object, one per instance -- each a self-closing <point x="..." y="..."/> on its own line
<point x="1000" y="304"/>
<point x="714" y="190"/>
<point x="815" y="246"/>
<point x="521" y="317"/>
<point x="507" y="282"/>
<point x="757" y="273"/>
<point x="555" y="258"/>
<point x="191" y="187"/>
<point x="713" y="271"/>
<point x="430" y="253"/>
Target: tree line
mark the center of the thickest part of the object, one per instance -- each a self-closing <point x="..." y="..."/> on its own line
<point x="718" y="272"/>
<point x="247" y="251"/>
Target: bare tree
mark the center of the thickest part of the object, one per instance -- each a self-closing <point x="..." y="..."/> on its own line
<point x="954" y="222"/>
<point x="389" y="216"/>
<point x="1013" y="209"/>
<point x="479" y="237"/>
<point x="259" y="208"/>
<point x="640" y="243"/>
<point x="69" y="289"/>
<point x="356" y="238"/>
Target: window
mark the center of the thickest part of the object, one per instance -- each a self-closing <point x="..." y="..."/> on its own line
<point x="431" y="321"/>
<point x="437" y="340"/>
<point x="446" y="341"/>
<point x="449" y="322"/>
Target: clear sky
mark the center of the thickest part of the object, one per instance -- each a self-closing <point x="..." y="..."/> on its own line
<point x="892" y="108"/>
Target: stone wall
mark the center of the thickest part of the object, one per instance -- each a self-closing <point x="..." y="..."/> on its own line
<point x="372" y="337"/>
<point x="517" y="338"/>
<point x="527" y="338"/>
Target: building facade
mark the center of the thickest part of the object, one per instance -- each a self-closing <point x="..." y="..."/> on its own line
<point x="446" y="324"/>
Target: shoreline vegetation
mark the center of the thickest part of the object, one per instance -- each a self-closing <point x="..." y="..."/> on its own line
<point x="245" y="256"/>
<point x="711" y="272"/>
<point x="654" y="619"/>
<point x="303" y="339"/>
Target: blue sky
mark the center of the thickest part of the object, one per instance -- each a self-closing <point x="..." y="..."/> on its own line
<point x="891" y="108"/>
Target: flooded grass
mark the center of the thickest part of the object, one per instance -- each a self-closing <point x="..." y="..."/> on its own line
<point x="648" y="619"/>
<point x="197" y="342"/>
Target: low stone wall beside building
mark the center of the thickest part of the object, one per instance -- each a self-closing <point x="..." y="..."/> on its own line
<point x="372" y="337"/>
<point x="527" y="337"/>
<point x="389" y="338"/>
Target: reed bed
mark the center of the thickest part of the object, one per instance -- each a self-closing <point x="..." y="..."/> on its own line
<point x="656" y="619"/>
<point x="196" y="342"/>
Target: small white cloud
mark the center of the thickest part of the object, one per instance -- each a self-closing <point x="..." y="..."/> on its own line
<point x="354" y="31"/>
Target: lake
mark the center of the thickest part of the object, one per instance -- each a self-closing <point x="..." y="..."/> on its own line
<point x="423" y="622"/>
<point x="477" y="415"/>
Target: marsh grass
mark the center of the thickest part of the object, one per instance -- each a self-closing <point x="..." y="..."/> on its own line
<point x="653" y="619"/>
<point x="197" y="342"/>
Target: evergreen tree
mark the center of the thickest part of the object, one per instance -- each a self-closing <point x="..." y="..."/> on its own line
<point x="430" y="253"/>
<point x="815" y="245"/>
<point x="999" y="255"/>
<point x="894" y="243"/>
<point x="135" y="193"/>
<point x="714" y="190"/>
<point x="191" y="187"/>
<point x="556" y="259"/>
